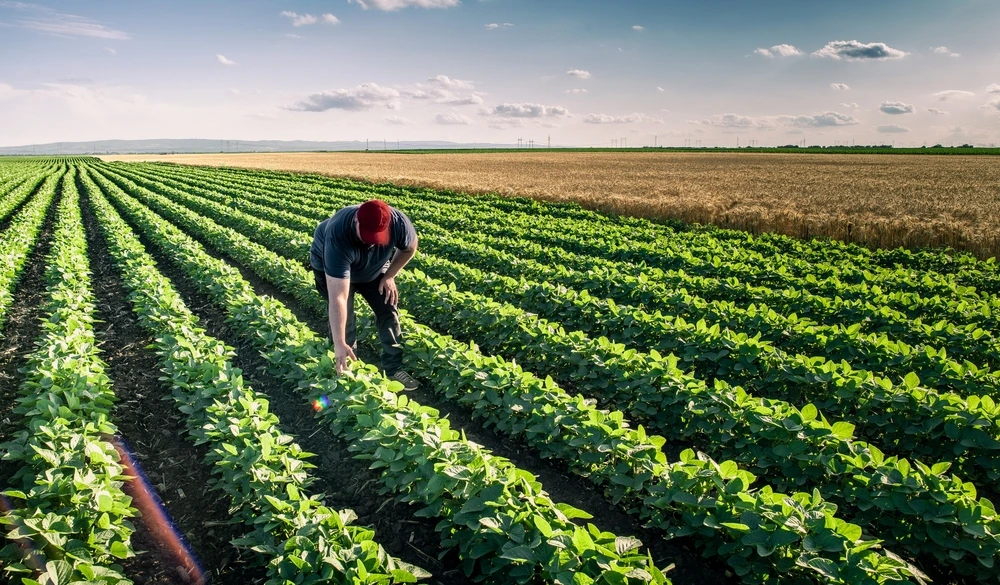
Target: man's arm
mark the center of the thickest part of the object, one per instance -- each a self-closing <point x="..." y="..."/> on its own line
<point x="338" y="289"/>
<point x="388" y="284"/>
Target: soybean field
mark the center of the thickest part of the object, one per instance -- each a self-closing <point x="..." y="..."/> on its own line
<point x="604" y="399"/>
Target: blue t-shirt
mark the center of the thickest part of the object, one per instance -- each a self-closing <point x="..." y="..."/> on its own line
<point x="339" y="252"/>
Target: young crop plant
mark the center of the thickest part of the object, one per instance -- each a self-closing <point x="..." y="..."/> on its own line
<point x="70" y="512"/>
<point x="263" y="471"/>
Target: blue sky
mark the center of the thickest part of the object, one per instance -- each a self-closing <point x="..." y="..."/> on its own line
<point x="585" y="72"/>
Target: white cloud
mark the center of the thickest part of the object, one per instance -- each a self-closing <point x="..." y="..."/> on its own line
<point x="526" y="110"/>
<point x="110" y="50"/>
<point x="293" y="36"/>
<point x="892" y="129"/>
<point x="452" y="119"/>
<point x="993" y="88"/>
<point x="628" y="119"/>
<point x="397" y="120"/>
<point x="449" y="83"/>
<point x="993" y="105"/>
<point x="953" y="93"/>
<point x="857" y="51"/>
<point x="576" y="91"/>
<point x="945" y="51"/>
<point x="638" y="28"/>
<point x="391" y="5"/>
<point x="658" y="88"/>
<point x="308" y="19"/>
<point x="48" y="21"/>
<point x="786" y="50"/>
<point x="225" y="61"/>
<point x="823" y="120"/>
<point x="235" y="91"/>
<point x="839" y="86"/>
<point x="496" y="25"/>
<point x="578" y="73"/>
<point x="782" y="50"/>
<point x="897" y="108"/>
<point x="366" y="96"/>
<point x="936" y="111"/>
<point x="850" y="105"/>
<point x="439" y="95"/>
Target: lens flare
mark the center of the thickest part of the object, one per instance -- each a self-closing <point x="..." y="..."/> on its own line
<point x="321" y="403"/>
<point x="155" y="516"/>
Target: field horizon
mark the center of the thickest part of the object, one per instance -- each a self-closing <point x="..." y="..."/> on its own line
<point x="875" y="200"/>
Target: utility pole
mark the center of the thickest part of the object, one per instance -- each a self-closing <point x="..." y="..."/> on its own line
<point x="550" y="141"/>
<point x="366" y="145"/>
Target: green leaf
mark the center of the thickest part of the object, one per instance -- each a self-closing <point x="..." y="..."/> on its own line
<point x="119" y="550"/>
<point x="60" y="572"/>
<point x="104" y="502"/>
<point x="623" y="544"/>
<point x="843" y="430"/>
<point x="543" y="526"/>
<point x="520" y="553"/>
<point x="824" y="567"/>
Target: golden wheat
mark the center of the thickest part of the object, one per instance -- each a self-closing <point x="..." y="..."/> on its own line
<point x="875" y="200"/>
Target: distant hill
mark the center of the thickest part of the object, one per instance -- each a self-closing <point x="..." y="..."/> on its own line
<point x="194" y="145"/>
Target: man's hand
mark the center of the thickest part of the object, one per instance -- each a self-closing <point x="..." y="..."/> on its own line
<point x="344" y="355"/>
<point x="388" y="288"/>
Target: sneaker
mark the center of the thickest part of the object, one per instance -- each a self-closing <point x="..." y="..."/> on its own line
<point x="408" y="381"/>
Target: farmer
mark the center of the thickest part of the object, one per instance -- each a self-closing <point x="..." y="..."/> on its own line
<point x="361" y="249"/>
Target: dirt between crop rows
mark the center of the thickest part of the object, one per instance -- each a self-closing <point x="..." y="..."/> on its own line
<point x="155" y="430"/>
<point x="389" y="516"/>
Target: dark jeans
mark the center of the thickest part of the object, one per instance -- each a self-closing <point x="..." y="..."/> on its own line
<point x="386" y="320"/>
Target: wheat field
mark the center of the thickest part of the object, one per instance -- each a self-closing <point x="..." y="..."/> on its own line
<point x="875" y="200"/>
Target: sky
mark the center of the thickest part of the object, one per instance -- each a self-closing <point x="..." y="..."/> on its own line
<point x="573" y="72"/>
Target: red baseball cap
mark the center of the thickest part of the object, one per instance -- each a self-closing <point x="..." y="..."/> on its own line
<point x="373" y="220"/>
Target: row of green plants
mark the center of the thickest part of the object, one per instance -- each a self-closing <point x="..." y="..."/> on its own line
<point x="899" y="289"/>
<point x="963" y="429"/>
<point x="18" y="191"/>
<point x="262" y="470"/>
<point x="497" y="518"/>
<point x="20" y="238"/>
<point x="967" y="268"/>
<point x="872" y="352"/>
<point x="70" y="513"/>
<point x="968" y="341"/>
<point x="599" y="445"/>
